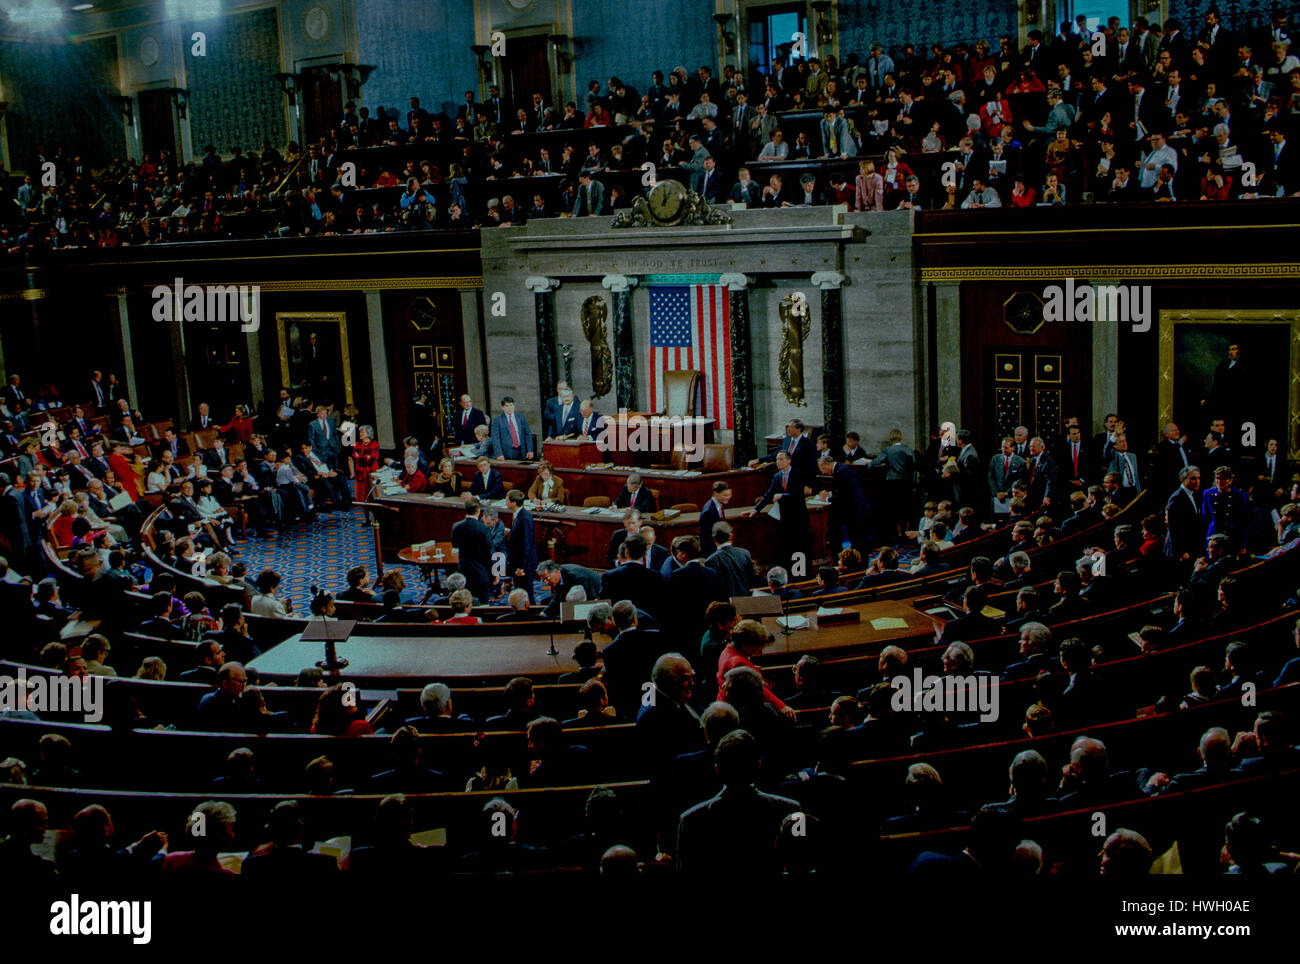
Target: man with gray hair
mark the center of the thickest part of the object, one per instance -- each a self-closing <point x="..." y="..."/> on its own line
<point x="1215" y="750"/>
<point x="437" y="714"/>
<point x="1035" y="647"/>
<point x="732" y="563"/>
<point x="666" y="723"/>
<point x="1020" y="570"/>
<point x="211" y="829"/>
<point x="519" y="611"/>
<point x="635" y="496"/>
<point x="778" y="584"/>
<point x="27" y="822"/>
<point x="559" y="579"/>
<point x="1029" y="787"/>
<point x="453" y="583"/>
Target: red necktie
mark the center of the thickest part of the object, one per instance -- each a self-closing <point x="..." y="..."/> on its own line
<point x="1006" y="469"/>
<point x="514" y="432"/>
<point x="464" y="417"/>
<point x="80" y="449"/>
<point x="1074" y="456"/>
<point x="785" y="478"/>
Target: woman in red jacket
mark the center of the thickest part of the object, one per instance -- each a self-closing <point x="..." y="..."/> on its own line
<point x="746" y="644"/>
<point x="337" y="714"/>
<point x="413" y="480"/>
<point x="241" y="426"/>
<point x="365" y="459"/>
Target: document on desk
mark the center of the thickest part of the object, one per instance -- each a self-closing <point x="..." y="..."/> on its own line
<point x="774" y="510"/>
<point x="888" y="622"/>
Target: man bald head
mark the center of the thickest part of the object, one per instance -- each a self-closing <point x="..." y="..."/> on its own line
<point x="1126" y="853"/>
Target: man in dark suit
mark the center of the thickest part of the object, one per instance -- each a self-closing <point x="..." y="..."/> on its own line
<point x="589" y="423"/>
<point x="848" y="504"/>
<point x="635" y="496"/>
<point x="551" y="410"/>
<point x="522" y="552"/>
<point x="633" y="581"/>
<point x="173" y="443"/>
<point x="468" y="419"/>
<point x="786" y="493"/>
<point x="286" y="863"/>
<point x="1069" y="605"/>
<point x="691" y="587"/>
<point x="1184" y="518"/>
<point x="1072" y="458"/>
<point x="714" y="511"/>
<point x="1087" y="511"/>
<point x="1171" y="458"/>
<point x="1042" y="475"/>
<point x="630" y="655"/>
<point x="474" y="543"/>
<point x="487" y="482"/>
<point x="511" y="433"/>
<point x="323" y="435"/>
<point x="899" y="462"/>
<point x="797" y="446"/>
<point x="568" y="415"/>
<point x="733" y="564"/>
<point x="1035" y="639"/>
<point x="631" y="527"/>
<point x="974" y="624"/>
<point x="561" y="578"/>
<point x="884" y="569"/>
<point x="1275" y="477"/>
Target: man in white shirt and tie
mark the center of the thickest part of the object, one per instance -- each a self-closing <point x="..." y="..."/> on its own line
<point x="1125" y="463"/>
<point x="566" y="422"/>
<point x="324" y="437"/>
<point x="101" y="396"/>
<point x="511" y="433"/>
<point x="588" y="420"/>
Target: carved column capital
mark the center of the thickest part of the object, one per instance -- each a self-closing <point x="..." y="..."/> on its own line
<point x="618" y="283"/>
<point x="541" y="285"/>
<point x="827" y="280"/>
<point x="735" y="281"/>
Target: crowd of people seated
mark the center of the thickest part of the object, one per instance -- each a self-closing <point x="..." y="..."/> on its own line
<point x="682" y="669"/>
<point x="1145" y="112"/>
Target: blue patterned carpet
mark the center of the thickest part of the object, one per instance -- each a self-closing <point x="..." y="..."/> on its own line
<point x="322" y="553"/>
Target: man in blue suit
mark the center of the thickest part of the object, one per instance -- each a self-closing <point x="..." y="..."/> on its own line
<point x="792" y="530"/>
<point x="795" y="445"/>
<point x="323" y="435"/>
<point x="551" y="410"/>
<point x="511" y="433"/>
<point x="848" y="504"/>
<point x="714" y="511"/>
<point x="1227" y="510"/>
<point x="468" y="419"/>
<point x="564" y="417"/>
<point x="522" y="548"/>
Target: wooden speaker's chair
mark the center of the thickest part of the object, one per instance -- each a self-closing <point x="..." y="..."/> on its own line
<point x="681" y="391"/>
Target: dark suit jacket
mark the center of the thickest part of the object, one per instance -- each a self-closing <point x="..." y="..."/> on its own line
<point x="522" y="550"/>
<point x="629" y="658"/>
<point x="708" y="517"/>
<point x="645" y="501"/>
<point x="474" y="543"/>
<point x="494" y="488"/>
<point x="288" y="866"/>
<point x="471" y="421"/>
<point x="735" y="566"/>
<point x="690" y="589"/>
<point x="802" y="454"/>
<point x="1186" y="526"/>
<point x="794" y="510"/>
<point x="1042" y="479"/>
<point x="633" y="581"/>
<point x="967" y="627"/>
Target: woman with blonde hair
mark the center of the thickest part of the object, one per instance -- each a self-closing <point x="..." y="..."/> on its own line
<point x="869" y="191"/>
<point x="446" y="481"/>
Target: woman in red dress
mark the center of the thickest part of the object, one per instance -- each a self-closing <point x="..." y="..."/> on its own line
<point x="128" y="477"/>
<point x="365" y="459"/>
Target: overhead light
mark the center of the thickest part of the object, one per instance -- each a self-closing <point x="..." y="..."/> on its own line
<point x="38" y="13"/>
<point x="79" y="8"/>
<point x="192" y="9"/>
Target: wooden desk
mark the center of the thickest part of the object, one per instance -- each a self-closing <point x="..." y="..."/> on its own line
<point x="747" y="485"/>
<point x="572" y="454"/>
<point x="429" y="658"/>
<point x="850" y="636"/>
<point x="379" y="654"/>
<point x="581" y="538"/>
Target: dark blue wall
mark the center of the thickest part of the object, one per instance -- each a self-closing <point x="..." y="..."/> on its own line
<point x="60" y="93"/>
<point x="234" y="98"/>
<point x="420" y="49"/>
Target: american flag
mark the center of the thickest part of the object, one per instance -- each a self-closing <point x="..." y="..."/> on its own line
<point x="690" y="329"/>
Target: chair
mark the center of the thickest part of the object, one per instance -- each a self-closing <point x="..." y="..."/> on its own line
<point x="685" y="507"/>
<point x="718" y="458"/>
<point x="207" y="437"/>
<point x="681" y="391"/>
<point x="592" y="501"/>
<point x="654" y="494"/>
